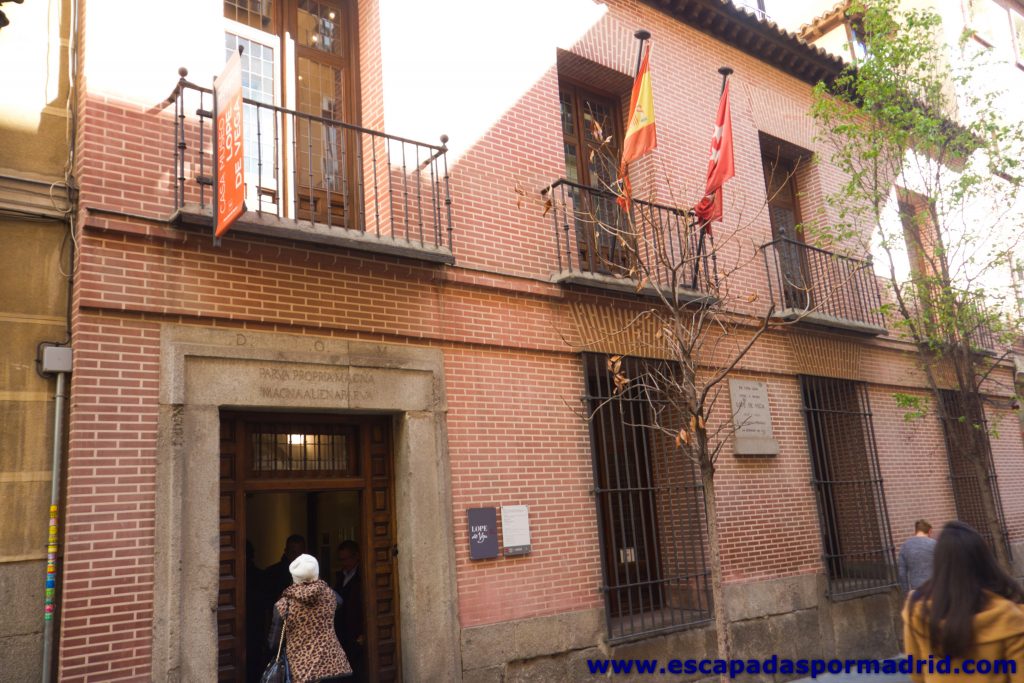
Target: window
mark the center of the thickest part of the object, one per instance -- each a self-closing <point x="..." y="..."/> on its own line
<point x="988" y="19"/>
<point x="296" y="450"/>
<point x="314" y="158"/>
<point x="917" y="232"/>
<point x="997" y="24"/>
<point x="588" y="121"/>
<point x="854" y="520"/>
<point x="259" y="125"/>
<point x="780" y="161"/>
<point x="256" y="14"/>
<point x="855" y="39"/>
<point x="926" y="260"/>
<point x="969" y="450"/>
<point x="1017" y="29"/>
<point x="650" y="509"/>
<point x="327" y="154"/>
<point x="754" y="6"/>
<point x="592" y="131"/>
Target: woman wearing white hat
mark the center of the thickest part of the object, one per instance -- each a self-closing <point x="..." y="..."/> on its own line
<point x="305" y="612"/>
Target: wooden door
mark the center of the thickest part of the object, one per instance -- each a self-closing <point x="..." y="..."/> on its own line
<point x="369" y="471"/>
<point x="591" y="129"/>
<point x="382" y="587"/>
<point x="784" y="214"/>
<point x="326" y="154"/>
<point x="231" y="594"/>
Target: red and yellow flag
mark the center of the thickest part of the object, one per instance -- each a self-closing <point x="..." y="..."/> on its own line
<point x="641" y="137"/>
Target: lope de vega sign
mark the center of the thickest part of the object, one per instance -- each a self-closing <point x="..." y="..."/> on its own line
<point x="230" y="162"/>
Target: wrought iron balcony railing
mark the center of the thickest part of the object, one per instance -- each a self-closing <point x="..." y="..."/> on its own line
<point x="980" y="335"/>
<point x="825" y="287"/>
<point x="650" y="245"/>
<point x="308" y="170"/>
<point x="966" y="317"/>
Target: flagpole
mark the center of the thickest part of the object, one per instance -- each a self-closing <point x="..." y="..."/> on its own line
<point x="642" y="36"/>
<point x="622" y="183"/>
<point x="726" y="71"/>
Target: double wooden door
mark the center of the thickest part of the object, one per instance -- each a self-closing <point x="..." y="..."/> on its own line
<point x="306" y="456"/>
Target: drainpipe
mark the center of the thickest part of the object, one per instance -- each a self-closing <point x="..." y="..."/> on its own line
<point x="56" y="359"/>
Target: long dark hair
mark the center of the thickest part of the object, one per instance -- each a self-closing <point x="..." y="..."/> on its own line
<point x="963" y="568"/>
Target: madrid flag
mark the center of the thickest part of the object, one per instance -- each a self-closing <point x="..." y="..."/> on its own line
<point x="720" y="165"/>
<point x="640" y="135"/>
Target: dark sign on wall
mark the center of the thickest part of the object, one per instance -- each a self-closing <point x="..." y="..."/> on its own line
<point x="483" y="533"/>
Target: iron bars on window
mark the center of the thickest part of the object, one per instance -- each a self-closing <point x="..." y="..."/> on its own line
<point x="318" y="171"/>
<point x="650" y="507"/>
<point x="855" y="533"/>
<point x="295" y="450"/>
<point x="969" y="452"/>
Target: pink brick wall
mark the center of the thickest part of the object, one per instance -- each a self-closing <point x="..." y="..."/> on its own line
<point x="107" y="610"/>
<point x="513" y="385"/>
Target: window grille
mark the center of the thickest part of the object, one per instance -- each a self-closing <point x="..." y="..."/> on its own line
<point x="855" y="534"/>
<point x="962" y="442"/>
<point x="650" y="508"/>
<point x="296" y="450"/>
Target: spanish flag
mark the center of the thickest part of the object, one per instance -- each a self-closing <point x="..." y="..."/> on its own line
<point x="640" y="135"/>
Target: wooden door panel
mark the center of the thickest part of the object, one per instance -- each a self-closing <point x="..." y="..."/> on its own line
<point x="231" y="595"/>
<point x="381" y="584"/>
<point x="383" y="617"/>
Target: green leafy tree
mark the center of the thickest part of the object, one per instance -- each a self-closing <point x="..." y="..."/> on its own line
<point x="934" y="175"/>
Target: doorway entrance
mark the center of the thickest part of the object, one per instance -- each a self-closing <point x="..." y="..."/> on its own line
<point x="305" y="483"/>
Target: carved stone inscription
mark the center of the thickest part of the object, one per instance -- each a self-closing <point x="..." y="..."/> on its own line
<point x="332" y="385"/>
<point x="752" y="418"/>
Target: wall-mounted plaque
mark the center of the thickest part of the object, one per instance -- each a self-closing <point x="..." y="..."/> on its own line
<point x="515" y="529"/>
<point x="751" y="418"/>
<point x="483" y="533"/>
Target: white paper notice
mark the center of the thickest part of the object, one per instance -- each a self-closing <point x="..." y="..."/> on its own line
<point x="515" y="529"/>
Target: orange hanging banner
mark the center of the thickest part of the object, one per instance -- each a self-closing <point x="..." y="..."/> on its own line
<point x="227" y="93"/>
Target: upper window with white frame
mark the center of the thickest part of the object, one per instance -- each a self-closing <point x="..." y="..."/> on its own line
<point x="998" y="24"/>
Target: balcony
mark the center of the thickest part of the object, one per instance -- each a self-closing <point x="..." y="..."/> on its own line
<point x="648" y="249"/>
<point x="822" y="288"/>
<point x="315" y="179"/>
<point x="960" y="317"/>
<point x="980" y="335"/>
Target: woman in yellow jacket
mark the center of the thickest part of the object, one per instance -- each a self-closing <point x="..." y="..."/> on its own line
<point x="968" y="611"/>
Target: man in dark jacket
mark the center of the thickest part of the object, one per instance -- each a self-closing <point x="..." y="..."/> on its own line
<point x="276" y="576"/>
<point x="348" y="620"/>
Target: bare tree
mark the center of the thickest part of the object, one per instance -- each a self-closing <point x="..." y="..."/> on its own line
<point x="696" y="320"/>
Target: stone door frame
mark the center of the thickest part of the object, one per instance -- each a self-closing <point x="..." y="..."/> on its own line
<point x="203" y="370"/>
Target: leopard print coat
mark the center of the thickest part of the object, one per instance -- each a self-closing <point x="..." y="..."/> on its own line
<point x="310" y="643"/>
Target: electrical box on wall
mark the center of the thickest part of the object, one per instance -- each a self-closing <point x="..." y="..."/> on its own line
<point x="56" y="359"/>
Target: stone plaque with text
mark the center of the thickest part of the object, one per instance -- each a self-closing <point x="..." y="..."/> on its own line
<point x="751" y="418"/>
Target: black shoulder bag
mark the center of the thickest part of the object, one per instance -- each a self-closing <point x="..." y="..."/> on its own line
<point x="278" y="670"/>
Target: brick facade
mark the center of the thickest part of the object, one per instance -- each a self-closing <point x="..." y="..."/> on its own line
<point x="513" y="384"/>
